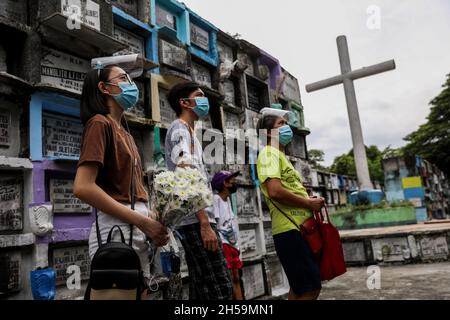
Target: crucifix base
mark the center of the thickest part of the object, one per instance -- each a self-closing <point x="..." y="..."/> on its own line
<point x="366" y="197"/>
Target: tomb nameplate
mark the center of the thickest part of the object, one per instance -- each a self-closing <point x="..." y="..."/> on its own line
<point x="11" y="199"/>
<point x="247" y="242"/>
<point x="62" y="70"/>
<point x="173" y="56"/>
<point x="10" y="265"/>
<point x="82" y="11"/>
<point x="253" y="279"/>
<point x="201" y="75"/>
<point x="199" y="37"/>
<point x="135" y="43"/>
<point x="5" y="128"/>
<point x="65" y="257"/>
<point x="166" y="112"/>
<point x="61" y="136"/>
<point x="63" y="199"/>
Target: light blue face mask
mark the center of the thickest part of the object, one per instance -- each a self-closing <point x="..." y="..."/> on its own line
<point x="129" y="96"/>
<point x="285" y="134"/>
<point x="201" y="108"/>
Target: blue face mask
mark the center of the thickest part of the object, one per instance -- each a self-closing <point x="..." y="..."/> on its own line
<point x="129" y="96"/>
<point x="285" y="134"/>
<point x="201" y="108"/>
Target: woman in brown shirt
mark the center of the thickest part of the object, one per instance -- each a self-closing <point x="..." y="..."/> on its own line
<point x="105" y="169"/>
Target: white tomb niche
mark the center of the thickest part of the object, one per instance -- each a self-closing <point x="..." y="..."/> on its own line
<point x="11" y="199"/>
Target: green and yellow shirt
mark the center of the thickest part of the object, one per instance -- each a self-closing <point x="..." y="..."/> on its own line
<point x="272" y="163"/>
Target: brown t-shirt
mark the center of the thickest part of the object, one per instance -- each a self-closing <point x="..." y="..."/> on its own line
<point x="108" y="145"/>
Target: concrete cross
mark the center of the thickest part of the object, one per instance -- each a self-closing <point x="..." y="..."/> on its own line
<point x="346" y="77"/>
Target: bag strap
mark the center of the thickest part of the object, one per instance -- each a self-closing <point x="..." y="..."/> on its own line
<point x="289" y="218"/>
<point x="132" y="184"/>
<point x="285" y="214"/>
<point x="133" y="198"/>
<point x="326" y="213"/>
<point x="110" y="234"/>
<point x="99" y="237"/>
<point x="317" y="215"/>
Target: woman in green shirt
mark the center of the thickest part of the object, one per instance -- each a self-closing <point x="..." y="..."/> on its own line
<point x="283" y="190"/>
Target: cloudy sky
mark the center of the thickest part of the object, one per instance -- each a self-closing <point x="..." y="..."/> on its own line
<point x="302" y="35"/>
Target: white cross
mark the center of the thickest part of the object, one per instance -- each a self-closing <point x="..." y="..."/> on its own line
<point x="346" y="77"/>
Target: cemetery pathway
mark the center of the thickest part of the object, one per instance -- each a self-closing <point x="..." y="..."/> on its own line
<point x="406" y="282"/>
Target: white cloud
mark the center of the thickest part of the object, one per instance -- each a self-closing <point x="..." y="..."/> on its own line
<point x="302" y="35"/>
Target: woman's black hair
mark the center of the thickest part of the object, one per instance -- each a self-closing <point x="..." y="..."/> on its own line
<point x="267" y="122"/>
<point x="179" y="91"/>
<point x="92" y="100"/>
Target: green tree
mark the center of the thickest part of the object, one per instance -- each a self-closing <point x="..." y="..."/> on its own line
<point x="345" y="163"/>
<point x="389" y="152"/>
<point x="316" y="157"/>
<point x="432" y="139"/>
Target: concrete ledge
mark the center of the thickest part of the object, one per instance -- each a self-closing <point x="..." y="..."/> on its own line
<point x="61" y="235"/>
<point x="17" y="240"/>
<point x="419" y="228"/>
<point x="15" y="163"/>
<point x="400" y="244"/>
<point x="253" y="259"/>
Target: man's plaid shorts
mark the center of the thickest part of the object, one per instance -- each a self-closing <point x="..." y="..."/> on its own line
<point x="209" y="277"/>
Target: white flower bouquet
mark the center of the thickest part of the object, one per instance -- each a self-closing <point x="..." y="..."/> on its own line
<point x="178" y="194"/>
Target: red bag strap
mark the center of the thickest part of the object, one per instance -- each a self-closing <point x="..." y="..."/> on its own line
<point x="320" y="216"/>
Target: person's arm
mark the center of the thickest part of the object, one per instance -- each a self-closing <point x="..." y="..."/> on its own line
<point x="86" y="189"/>
<point x="209" y="237"/>
<point x="278" y="193"/>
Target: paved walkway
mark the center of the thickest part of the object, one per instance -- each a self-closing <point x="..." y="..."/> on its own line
<point x="413" y="281"/>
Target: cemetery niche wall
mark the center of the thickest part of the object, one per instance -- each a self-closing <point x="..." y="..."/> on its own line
<point x="140" y="39"/>
<point x="42" y="68"/>
<point x="85" y="30"/>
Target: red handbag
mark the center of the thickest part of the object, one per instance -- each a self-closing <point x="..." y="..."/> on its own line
<point x="332" y="263"/>
<point x="310" y="231"/>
